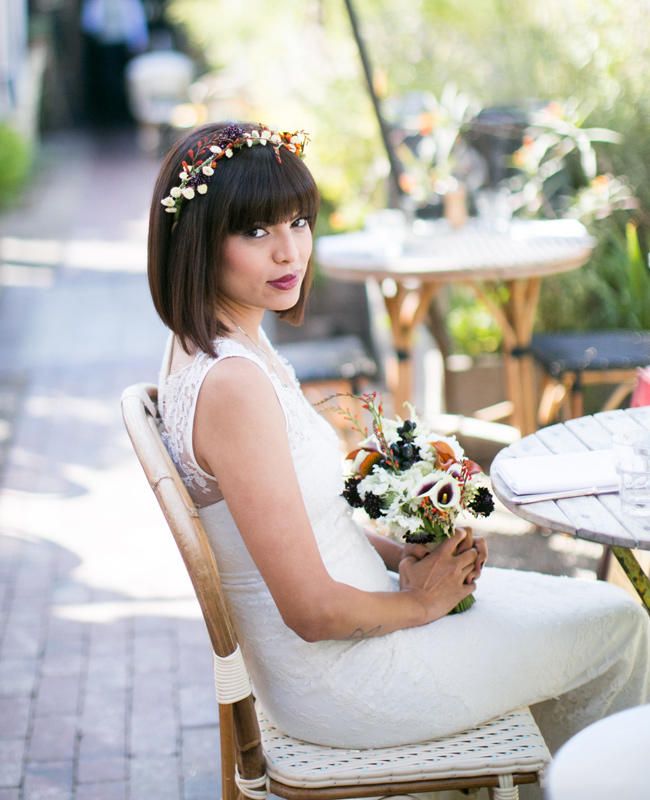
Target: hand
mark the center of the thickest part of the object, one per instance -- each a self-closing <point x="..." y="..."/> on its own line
<point x="481" y="547"/>
<point x="441" y="579"/>
<point x="417" y="551"/>
<point x="482" y="553"/>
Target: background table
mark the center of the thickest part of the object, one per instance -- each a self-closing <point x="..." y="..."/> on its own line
<point x="598" y="518"/>
<point x="411" y="274"/>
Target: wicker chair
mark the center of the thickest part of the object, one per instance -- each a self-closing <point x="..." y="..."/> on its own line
<point x="256" y="758"/>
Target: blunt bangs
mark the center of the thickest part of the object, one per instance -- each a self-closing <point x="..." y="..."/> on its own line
<point x="259" y="190"/>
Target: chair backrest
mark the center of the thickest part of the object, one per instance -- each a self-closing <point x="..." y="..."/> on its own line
<point x="140" y="413"/>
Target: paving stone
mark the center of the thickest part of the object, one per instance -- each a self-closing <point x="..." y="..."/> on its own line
<point x="200" y="763"/>
<point x="154" y="652"/>
<point x="99" y="769"/>
<point x="113" y="790"/>
<point x="58" y="694"/>
<point x="12" y="753"/>
<point x="14" y="717"/>
<point x="9" y="794"/>
<point x="157" y="778"/>
<point x="195" y="664"/>
<point x="23" y="634"/>
<point x="198" y="705"/>
<point x="51" y="781"/>
<point x="109" y="638"/>
<point x="107" y="672"/>
<point x="17" y="676"/>
<point x="154" y="733"/>
<point x="103" y="725"/>
<point x="61" y="662"/>
<point x="53" y="738"/>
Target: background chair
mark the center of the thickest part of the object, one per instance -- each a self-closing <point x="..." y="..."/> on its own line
<point x="256" y="757"/>
<point x="571" y="361"/>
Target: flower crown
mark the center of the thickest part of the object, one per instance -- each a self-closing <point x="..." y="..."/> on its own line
<point x="202" y="160"/>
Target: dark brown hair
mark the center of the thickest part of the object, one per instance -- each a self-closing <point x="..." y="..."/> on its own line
<point x="185" y="250"/>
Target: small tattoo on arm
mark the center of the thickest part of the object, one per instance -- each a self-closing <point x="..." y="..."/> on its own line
<point x="359" y="633"/>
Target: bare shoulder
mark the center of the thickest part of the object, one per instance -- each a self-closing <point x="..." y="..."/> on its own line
<point x="237" y="391"/>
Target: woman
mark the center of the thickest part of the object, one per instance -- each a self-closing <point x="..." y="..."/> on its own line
<point x="341" y="651"/>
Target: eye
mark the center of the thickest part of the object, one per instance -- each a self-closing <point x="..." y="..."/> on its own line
<point x="300" y="222"/>
<point x="255" y="233"/>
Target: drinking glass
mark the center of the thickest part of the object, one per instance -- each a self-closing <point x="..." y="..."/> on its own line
<point x="632" y="453"/>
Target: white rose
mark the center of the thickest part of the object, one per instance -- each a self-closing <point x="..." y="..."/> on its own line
<point x="202" y="188"/>
<point x="188" y="193"/>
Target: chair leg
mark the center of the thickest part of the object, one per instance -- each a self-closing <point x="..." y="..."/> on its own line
<point x="506" y="790"/>
<point x="618" y="395"/>
<point x="229" y="789"/>
<point x="553" y="395"/>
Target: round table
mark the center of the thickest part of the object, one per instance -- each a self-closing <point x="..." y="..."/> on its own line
<point x="596" y="517"/>
<point x="434" y="254"/>
<point x="608" y="759"/>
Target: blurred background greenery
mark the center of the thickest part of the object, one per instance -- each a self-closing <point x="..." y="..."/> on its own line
<point x="589" y="59"/>
<point x="566" y="81"/>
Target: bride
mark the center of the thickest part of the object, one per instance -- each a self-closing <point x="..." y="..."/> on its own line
<point x="345" y="634"/>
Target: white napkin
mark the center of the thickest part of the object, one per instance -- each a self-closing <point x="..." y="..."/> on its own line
<point x="561" y="474"/>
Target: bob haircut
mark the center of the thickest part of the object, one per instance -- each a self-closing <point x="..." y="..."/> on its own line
<point x="185" y="250"/>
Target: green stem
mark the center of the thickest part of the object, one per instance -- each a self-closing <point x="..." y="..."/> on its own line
<point x="464" y="604"/>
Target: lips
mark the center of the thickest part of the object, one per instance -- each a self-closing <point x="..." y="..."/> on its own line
<point x="286" y="282"/>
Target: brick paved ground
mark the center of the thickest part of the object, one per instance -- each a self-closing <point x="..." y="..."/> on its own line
<point x="105" y="675"/>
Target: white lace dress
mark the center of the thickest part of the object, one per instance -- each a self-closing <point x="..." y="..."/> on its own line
<point x="577" y="650"/>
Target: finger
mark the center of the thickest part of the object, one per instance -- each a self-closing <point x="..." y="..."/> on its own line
<point x="454" y="542"/>
<point x="468" y="557"/>
<point x="417" y="550"/>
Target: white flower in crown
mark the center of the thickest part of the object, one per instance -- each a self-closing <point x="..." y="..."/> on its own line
<point x="229" y="152"/>
<point x="216" y="150"/>
<point x="168" y="201"/>
<point x="296" y="139"/>
<point x="207" y="170"/>
<point x="183" y="175"/>
<point x="266" y="134"/>
<point x="255" y="134"/>
<point x="202" y="188"/>
<point x="187" y="192"/>
<point x="175" y="192"/>
<point x="275" y="138"/>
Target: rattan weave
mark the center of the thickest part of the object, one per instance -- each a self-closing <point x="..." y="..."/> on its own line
<point x="510" y="743"/>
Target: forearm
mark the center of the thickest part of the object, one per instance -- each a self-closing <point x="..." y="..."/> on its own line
<point x="344" y="612"/>
<point x="390" y="551"/>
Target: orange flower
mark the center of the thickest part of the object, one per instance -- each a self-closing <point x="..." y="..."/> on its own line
<point x="445" y="456"/>
<point x="365" y="468"/>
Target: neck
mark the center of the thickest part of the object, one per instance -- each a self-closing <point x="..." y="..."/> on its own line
<point x="246" y="323"/>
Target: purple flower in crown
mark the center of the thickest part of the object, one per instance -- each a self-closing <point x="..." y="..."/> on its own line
<point x="229" y="134"/>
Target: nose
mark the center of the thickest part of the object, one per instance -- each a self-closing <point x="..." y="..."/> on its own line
<point x="285" y="250"/>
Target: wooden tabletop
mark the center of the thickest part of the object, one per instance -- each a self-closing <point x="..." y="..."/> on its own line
<point x="435" y="251"/>
<point x="597" y="517"/>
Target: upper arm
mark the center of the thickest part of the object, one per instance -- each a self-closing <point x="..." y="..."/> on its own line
<point x="240" y="432"/>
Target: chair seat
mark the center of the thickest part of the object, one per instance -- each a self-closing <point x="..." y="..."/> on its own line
<point x="334" y="358"/>
<point x="559" y="353"/>
<point x="506" y="745"/>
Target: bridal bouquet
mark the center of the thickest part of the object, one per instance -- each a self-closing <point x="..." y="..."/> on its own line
<point x="413" y="482"/>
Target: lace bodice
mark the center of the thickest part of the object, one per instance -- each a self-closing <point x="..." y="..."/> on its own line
<point x="582" y="647"/>
<point x="178" y="394"/>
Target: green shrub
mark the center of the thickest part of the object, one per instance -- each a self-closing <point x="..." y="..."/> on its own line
<point x="14" y="164"/>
